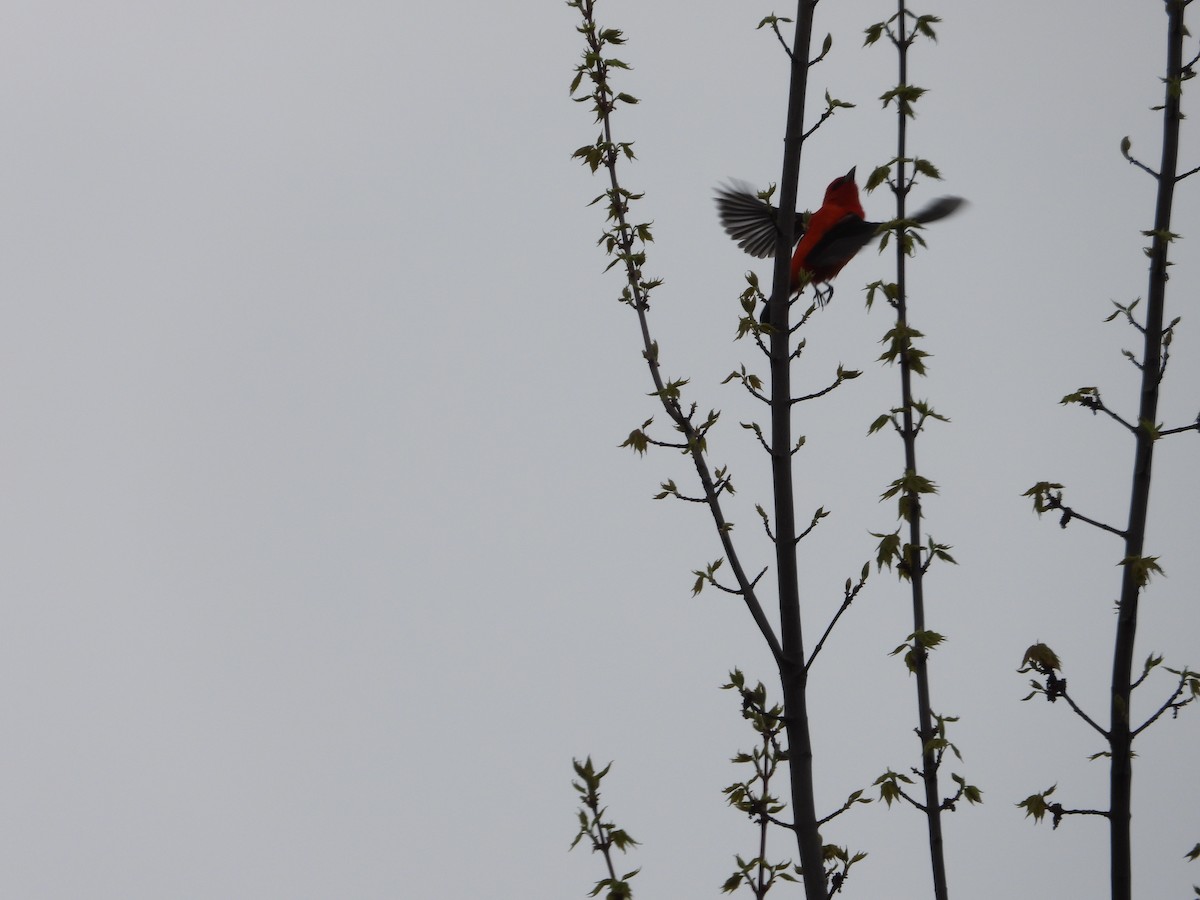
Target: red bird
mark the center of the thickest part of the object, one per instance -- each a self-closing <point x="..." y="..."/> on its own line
<point x="828" y="238"/>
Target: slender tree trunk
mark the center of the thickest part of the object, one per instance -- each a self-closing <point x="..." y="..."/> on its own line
<point x="792" y="672"/>
<point x="929" y="760"/>
<point x="1120" y="736"/>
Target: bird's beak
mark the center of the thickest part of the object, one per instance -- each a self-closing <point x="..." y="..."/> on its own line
<point x="849" y="176"/>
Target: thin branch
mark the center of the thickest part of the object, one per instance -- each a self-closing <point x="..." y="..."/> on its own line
<point x="1057" y="813"/>
<point x="837" y="812"/>
<point x="790" y="826"/>
<point x="1067" y="511"/>
<point x="917" y="804"/>
<point x="849" y="598"/>
<point x="1145" y="168"/>
<point x="1145" y="674"/>
<point x="667" y="444"/>
<point x="605" y="101"/>
<point x="783" y="43"/>
<point x="804" y="317"/>
<point x="1080" y="812"/>
<point x="1079" y="712"/>
<point x="761" y="346"/>
<point x="756" y="394"/>
<point x="737" y="592"/>
<point x="820" y="393"/>
<point x="1171" y="703"/>
<point x="1055" y="502"/>
<point x="758" y="434"/>
<point x="1188" y="66"/>
<point x="816" y="519"/>
<point x="1195" y="426"/>
<point x="1095" y="404"/>
<point x="951" y="803"/>
<point x="821" y="121"/>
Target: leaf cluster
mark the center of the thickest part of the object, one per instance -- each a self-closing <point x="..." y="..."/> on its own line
<point x="603" y="835"/>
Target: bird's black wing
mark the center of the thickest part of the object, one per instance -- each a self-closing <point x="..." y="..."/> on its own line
<point x="751" y="221"/>
<point x="851" y="234"/>
<point x="841" y="242"/>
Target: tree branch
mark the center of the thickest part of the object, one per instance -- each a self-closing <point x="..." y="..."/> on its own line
<point x="621" y="237"/>
<point x="850" y="594"/>
<point x="1172" y="703"/>
<point x="1079" y="712"/>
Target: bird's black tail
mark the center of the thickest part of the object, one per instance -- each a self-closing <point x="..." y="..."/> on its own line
<point x="938" y="209"/>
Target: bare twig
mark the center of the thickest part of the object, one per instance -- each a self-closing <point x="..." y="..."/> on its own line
<point x="1172" y="703"/>
<point x="1079" y="712"/>
<point x="850" y="594"/>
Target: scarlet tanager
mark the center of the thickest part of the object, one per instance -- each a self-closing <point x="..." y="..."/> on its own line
<point x="828" y="238"/>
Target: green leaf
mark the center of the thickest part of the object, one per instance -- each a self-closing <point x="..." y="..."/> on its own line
<point x="904" y="96"/>
<point x="771" y="20"/>
<point x="928" y="639"/>
<point x="1141" y="568"/>
<point x="637" y="440"/>
<point x="1035" y="804"/>
<point x="1041" y="494"/>
<point x="1040" y="658"/>
<point x="926" y="168"/>
<point x="877" y="177"/>
<point x="888" y="550"/>
<point x="879" y="423"/>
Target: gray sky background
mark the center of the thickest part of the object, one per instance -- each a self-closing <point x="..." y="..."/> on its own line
<point x="321" y="559"/>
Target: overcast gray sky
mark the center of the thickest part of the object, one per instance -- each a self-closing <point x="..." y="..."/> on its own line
<point x="321" y="561"/>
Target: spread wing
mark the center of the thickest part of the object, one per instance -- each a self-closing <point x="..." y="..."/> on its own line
<point x="849" y="235"/>
<point x="751" y="221"/>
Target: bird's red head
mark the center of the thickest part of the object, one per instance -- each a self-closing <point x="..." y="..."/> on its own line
<point x="843" y="191"/>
